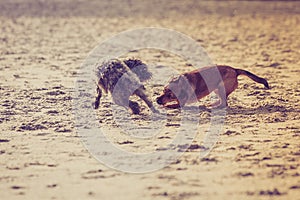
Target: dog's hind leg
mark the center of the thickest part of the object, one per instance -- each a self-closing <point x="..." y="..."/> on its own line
<point x="99" y="95"/>
<point x="225" y="88"/>
<point x="222" y="102"/>
<point x="141" y="93"/>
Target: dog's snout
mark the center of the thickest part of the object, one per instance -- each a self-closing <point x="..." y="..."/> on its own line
<point x="158" y="100"/>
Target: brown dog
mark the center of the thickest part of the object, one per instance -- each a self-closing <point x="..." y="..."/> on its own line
<point x="192" y="86"/>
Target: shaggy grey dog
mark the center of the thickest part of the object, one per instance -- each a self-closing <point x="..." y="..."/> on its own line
<point x="123" y="79"/>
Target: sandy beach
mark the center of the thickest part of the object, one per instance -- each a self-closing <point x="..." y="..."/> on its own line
<point x="42" y="47"/>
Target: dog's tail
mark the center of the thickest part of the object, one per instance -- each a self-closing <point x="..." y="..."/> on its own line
<point x="253" y="77"/>
<point x="139" y="68"/>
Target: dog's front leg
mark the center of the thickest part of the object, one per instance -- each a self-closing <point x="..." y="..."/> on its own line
<point x="141" y="93"/>
<point x="222" y="102"/>
<point x="134" y="106"/>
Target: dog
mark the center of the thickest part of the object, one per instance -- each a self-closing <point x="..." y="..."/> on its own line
<point x="192" y="86"/>
<point x="123" y="79"/>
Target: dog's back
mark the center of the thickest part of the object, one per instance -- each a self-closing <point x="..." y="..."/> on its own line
<point x="139" y="68"/>
<point x="110" y="72"/>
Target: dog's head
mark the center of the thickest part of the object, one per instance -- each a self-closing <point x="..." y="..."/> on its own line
<point x="175" y="94"/>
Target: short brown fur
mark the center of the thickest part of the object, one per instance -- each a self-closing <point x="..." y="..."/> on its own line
<point x="192" y="86"/>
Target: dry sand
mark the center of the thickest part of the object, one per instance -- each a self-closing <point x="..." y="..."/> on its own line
<point x="42" y="47"/>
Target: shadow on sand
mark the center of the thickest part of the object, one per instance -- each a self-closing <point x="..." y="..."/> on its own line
<point x="260" y="110"/>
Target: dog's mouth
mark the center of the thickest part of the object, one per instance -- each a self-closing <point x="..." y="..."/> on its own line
<point x="167" y="102"/>
<point x="171" y="103"/>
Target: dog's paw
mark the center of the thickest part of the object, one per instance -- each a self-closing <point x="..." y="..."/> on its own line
<point x="95" y="105"/>
<point x="173" y="106"/>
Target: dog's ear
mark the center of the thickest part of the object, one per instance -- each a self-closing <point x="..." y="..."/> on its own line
<point x="183" y="97"/>
<point x="174" y="79"/>
<point x="182" y="94"/>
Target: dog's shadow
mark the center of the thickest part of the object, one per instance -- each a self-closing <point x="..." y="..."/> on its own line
<point x="260" y="110"/>
<point x="243" y="110"/>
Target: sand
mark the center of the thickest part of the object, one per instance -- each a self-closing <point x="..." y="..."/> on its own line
<point x="43" y="45"/>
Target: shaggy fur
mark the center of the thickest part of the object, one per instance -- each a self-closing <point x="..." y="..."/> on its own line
<point x="123" y="79"/>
